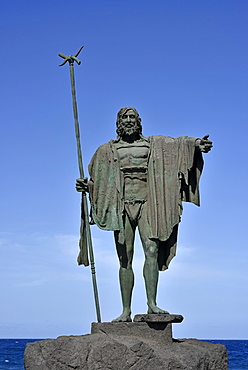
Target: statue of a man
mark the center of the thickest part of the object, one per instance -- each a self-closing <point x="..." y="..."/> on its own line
<point x="138" y="181"/>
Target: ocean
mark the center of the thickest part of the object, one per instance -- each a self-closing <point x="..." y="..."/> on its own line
<point x="12" y="350"/>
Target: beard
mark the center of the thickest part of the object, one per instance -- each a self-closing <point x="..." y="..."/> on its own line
<point x="129" y="131"/>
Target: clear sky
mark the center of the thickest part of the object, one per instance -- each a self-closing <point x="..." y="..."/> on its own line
<point x="183" y="65"/>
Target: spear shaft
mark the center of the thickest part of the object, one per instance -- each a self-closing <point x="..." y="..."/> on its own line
<point x="71" y="60"/>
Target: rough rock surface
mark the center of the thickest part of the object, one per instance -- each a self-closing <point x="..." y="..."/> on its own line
<point x="110" y="349"/>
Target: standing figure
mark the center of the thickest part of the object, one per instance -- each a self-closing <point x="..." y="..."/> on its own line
<point x="140" y="182"/>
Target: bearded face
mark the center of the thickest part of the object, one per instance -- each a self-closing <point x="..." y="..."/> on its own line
<point x="129" y="123"/>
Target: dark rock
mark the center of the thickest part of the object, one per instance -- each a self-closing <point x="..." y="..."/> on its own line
<point x="151" y="332"/>
<point x="125" y="346"/>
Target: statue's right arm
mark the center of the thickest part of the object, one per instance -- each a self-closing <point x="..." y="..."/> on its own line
<point x="82" y="184"/>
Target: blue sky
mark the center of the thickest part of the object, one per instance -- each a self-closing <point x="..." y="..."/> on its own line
<point x="183" y="65"/>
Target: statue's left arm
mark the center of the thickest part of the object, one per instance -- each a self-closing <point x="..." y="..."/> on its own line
<point x="204" y="145"/>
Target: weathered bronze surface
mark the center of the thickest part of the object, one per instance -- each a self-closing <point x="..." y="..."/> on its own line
<point x="140" y="182"/>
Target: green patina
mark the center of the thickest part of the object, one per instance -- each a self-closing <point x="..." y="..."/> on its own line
<point x="140" y="182"/>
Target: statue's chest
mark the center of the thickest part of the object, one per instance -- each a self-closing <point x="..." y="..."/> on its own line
<point x="132" y="156"/>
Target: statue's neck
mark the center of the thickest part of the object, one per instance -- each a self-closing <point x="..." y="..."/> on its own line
<point x="130" y="139"/>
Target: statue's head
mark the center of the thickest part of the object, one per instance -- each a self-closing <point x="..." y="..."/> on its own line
<point x="128" y="122"/>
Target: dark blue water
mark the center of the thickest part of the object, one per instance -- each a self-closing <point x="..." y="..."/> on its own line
<point x="237" y="353"/>
<point x="11" y="353"/>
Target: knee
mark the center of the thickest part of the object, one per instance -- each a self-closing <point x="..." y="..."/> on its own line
<point x="151" y="251"/>
<point x="125" y="261"/>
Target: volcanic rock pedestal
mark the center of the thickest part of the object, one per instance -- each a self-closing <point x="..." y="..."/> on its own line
<point x="146" y="343"/>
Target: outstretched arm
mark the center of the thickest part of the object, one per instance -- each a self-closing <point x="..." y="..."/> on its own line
<point x="204" y="144"/>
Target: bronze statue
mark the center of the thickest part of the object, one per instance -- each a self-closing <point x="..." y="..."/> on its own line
<point x="138" y="181"/>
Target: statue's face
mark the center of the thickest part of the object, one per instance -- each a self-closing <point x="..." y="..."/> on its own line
<point x="128" y="122"/>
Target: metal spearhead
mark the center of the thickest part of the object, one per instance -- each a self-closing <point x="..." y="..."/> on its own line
<point x="70" y="58"/>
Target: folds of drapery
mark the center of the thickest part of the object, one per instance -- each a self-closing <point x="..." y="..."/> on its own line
<point x="174" y="169"/>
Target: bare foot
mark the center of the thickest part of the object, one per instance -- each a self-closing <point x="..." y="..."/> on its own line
<point x="123" y="318"/>
<point x="155" y="309"/>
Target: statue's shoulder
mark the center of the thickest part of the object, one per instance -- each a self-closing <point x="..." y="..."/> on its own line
<point x="102" y="153"/>
<point x="105" y="147"/>
<point x="160" y="139"/>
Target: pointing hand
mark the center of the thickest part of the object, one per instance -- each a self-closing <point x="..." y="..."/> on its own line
<point x="205" y="145"/>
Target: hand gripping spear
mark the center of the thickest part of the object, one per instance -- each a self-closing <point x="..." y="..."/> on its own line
<point x="85" y="213"/>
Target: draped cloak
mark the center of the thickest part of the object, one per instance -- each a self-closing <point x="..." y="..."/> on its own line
<point x="174" y="170"/>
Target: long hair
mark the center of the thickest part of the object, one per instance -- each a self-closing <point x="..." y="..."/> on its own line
<point x="122" y="111"/>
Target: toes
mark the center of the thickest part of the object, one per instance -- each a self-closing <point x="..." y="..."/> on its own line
<point x="156" y="310"/>
<point x="122" y="318"/>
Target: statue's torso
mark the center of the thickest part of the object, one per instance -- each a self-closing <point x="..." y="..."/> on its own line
<point x="133" y="163"/>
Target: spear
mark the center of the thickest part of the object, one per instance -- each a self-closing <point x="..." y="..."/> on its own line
<point x="85" y="220"/>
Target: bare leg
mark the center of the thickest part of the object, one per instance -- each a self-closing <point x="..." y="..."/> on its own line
<point x="150" y="270"/>
<point x="126" y="276"/>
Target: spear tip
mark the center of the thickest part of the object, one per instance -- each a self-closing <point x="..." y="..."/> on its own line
<point x="70" y="58"/>
<point x="77" y="53"/>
